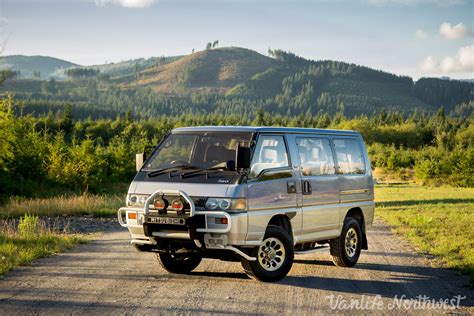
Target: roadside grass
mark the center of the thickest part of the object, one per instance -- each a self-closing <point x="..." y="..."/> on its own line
<point x="437" y="220"/>
<point x="85" y="204"/>
<point x="30" y="239"/>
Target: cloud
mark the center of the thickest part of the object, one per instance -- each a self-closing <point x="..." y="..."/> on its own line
<point x="135" y="4"/>
<point x="451" y="32"/>
<point x="415" y="2"/>
<point x="462" y="62"/>
<point x="420" y="34"/>
<point x="429" y="65"/>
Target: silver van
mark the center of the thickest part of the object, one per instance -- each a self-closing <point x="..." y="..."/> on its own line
<point x="259" y="195"/>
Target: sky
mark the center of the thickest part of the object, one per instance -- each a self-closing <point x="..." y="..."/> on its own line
<point x="418" y="38"/>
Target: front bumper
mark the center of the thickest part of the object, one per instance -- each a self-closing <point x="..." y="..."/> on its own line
<point x="199" y="224"/>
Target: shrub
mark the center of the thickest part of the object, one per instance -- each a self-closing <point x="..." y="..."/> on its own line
<point x="29" y="226"/>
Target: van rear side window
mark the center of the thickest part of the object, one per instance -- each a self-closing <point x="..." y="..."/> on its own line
<point x="349" y="156"/>
<point x="315" y="156"/>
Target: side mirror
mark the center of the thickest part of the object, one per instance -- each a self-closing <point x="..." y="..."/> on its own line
<point x="242" y="159"/>
<point x="139" y="160"/>
<point x="141" y="157"/>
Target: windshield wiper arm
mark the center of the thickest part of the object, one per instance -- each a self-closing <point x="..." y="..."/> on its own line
<point x="196" y="172"/>
<point x="169" y="169"/>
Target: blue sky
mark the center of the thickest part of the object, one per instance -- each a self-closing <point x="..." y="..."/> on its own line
<point x="411" y="37"/>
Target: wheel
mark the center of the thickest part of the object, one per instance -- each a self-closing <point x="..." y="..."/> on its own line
<point x="274" y="256"/>
<point x="179" y="264"/>
<point x="345" y="250"/>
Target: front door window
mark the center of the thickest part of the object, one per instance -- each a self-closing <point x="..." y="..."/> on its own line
<point x="270" y="153"/>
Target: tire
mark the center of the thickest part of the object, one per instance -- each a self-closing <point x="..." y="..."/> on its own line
<point x="180" y="264"/>
<point x="351" y="236"/>
<point x="141" y="247"/>
<point x="274" y="256"/>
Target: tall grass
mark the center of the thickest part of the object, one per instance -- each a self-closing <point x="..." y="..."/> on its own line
<point x="30" y="239"/>
<point x="437" y="220"/>
<point x="99" y="205"/>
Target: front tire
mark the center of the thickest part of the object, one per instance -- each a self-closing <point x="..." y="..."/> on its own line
<point x="345" y="249"/>
<point x="179" y="264"/>
<point x="274" y="256"/>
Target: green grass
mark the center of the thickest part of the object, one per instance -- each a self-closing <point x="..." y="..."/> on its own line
<point x="29" y="240"/>
<point x="98" y="205"/>
<point x="436" y="220"/>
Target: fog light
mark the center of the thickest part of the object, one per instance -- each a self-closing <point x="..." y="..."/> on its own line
<point x="177" y="205"/>
<point x="159" y="204"/>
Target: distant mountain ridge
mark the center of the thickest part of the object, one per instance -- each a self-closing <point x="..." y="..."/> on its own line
<point x="233" y="79"/>
<point x="41" y="67"/>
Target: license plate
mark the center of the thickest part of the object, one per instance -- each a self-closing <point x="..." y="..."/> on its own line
<point x="166" y="220"/>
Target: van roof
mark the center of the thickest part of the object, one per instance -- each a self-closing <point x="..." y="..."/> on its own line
<point x="264" y="129"/>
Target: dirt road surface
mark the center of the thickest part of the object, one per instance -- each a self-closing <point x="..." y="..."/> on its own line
<point x="108" y="276"/>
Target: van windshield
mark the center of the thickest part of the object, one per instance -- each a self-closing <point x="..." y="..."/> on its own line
<point x="200" y="150"/>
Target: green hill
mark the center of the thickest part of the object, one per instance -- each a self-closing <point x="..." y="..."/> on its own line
<point x="214" y="70"/>
<point x="292" y="85"/>
<point x="36" y="66"/>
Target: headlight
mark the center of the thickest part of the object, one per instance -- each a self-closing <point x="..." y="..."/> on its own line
<point x="226" y="204"/>
<point x="212" y="204"/>
<point x="137" y="199"/>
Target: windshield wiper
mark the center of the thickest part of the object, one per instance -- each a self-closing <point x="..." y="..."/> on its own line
<point x="169" y="169"/>
<point x="215" y="168"/>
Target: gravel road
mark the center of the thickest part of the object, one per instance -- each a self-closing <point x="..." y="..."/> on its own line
<point x="108" y="276"/>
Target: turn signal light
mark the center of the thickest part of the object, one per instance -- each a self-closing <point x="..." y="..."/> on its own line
<point x="222" y="220"/>
<point x="132" y="215"/>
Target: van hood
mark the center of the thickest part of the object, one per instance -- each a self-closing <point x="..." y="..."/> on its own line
<point x="192" y="189"/>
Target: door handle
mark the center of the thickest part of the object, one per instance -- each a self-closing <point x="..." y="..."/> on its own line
<point x="291" y="187"/>
<point x="307" y="189"/>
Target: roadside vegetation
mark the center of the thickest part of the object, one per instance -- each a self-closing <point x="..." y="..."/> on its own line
<point x="29" y="239"/>
<point x="438" y="221"/>
<point x="84" y="204"/>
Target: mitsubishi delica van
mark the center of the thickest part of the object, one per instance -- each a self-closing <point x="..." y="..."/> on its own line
<point x="259" y="195"/>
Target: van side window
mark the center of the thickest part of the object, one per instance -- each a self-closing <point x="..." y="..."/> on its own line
<point x="349" y="156"/>
<point x="315" y="156"/>
<point x="269" y="153"/>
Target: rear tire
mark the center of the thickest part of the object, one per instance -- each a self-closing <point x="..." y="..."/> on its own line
<point x="345" y="249"/>
<point x="274" y="256"/>
<point x="179" y="264"/>
<point x="141" y="247"/>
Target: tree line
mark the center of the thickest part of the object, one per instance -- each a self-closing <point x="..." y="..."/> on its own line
<point x="63" y="152"/>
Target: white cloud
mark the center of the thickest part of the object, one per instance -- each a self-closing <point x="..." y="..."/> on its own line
<point x="462" y="62"/>
<point x="429" y="65"/>
<point x="136" y="4"/>
<point x="450" y="32"/>
<point x="420" y="34"/>
<point x="415" y="2"/>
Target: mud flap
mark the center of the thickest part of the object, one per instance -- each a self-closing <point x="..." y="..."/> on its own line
<point x="365" y="245"/>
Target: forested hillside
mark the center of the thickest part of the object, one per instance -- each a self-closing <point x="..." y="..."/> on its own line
<point x="233" y="81"/>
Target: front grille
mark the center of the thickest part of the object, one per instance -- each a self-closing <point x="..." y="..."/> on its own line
<point x="199" y="202"/>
